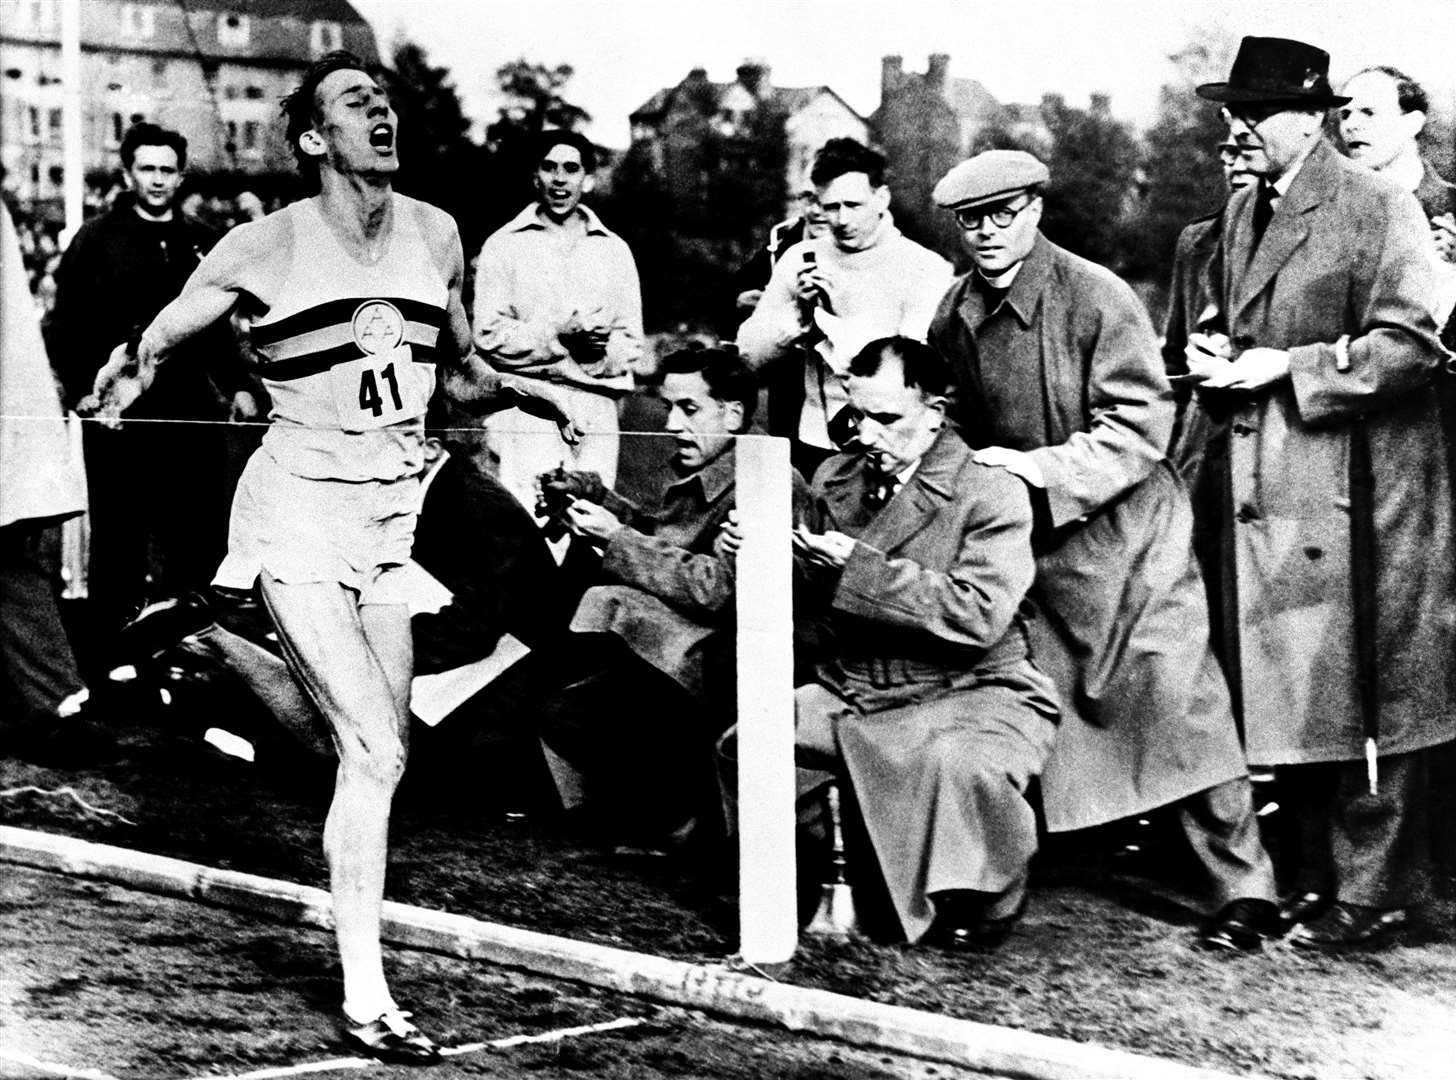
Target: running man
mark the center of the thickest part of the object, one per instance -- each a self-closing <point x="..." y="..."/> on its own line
<point x="351" y="298"/>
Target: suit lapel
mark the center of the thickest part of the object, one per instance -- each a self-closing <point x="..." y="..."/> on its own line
<point x="914" y="506"/>
<point x="1288" y="228"/>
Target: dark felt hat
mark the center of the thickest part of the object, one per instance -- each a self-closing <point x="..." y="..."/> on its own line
<point x="1276" y="71"/>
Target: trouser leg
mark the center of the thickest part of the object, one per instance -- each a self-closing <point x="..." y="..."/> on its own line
<point x="35" y="653"/>
<point x="1223" y="831"/>
<point x="1378" y="842"/>
<point x="1308" y="793"/>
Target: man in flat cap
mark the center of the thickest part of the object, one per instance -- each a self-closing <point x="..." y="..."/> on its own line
<point x="1341" y="534"/>
<point x="1060" y="381"/>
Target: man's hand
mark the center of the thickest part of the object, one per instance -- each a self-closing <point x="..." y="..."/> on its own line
<point x="824" y="549"/>
<point x="1253" y="370"/>
<point x="1207" y="355"/>
<point x="1443" y="231"/>
<point x="729" y="541"/>
<point x="243" y="408"/>
<point x="531" y="397"/>
<point x="585" y="336"/>
<point x="592" y="521"/>
<point x="1016" y="462"/>
<point x="814" y="287"/>
<point x="121" y="380"/>
<point x="567" y="484"/>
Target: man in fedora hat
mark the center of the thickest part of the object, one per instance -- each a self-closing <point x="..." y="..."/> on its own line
<point x="1060" y="382"/>
<point x="1340" y="535"/>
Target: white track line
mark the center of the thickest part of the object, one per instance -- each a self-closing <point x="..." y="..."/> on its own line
<point x="65" y="1071"/>
<point x="340" y="1064"/>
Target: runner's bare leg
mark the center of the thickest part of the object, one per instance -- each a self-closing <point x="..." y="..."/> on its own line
<point x="355" y="662"/>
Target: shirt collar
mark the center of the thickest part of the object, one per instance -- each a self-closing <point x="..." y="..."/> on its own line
<point x="1282" y="185"/>
<point x="529" y="219"/>
<point x="714" y="478"/>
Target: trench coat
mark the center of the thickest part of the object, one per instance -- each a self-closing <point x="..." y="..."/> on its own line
<point x="1343" y="258"/>
<point x="39" y="478"/>
<point x="1067" y="369"/>
<point x="938" y="713"/>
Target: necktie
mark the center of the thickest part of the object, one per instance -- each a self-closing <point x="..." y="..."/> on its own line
<point x="1263" y="210"/>
<point x="882" y="492"/>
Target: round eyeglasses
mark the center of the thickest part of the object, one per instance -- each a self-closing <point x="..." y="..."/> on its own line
<point x="971" y="221"/>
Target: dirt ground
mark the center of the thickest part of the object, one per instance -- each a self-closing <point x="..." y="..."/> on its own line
<point x="1094" y="960"/>
<point x="145" y="987"/>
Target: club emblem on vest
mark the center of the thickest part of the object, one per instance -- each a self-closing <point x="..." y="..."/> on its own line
<point x="378" y="326"/>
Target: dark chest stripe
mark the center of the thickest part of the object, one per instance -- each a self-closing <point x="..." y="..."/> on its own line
<point x="336" y="312"/>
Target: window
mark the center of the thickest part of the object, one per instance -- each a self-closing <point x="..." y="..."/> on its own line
<point x="232" y="30"/>
<point x="253" y="93"/>
<point x="138" y="21"/>
<point x="118" y="126"/>
<point x="230" y="92"/>
<point x="55" y="120"/>
<point x="34" y="115"/>
<point x="326" y="37"/>
<point x="250" y="135"/>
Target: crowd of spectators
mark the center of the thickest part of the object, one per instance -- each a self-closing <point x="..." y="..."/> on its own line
<point x="1010" y="617"/>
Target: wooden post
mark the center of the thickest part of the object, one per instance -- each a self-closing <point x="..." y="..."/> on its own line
<point x="767" y="910"/>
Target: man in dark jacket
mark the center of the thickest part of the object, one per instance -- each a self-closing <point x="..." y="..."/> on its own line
<point x="1342" y="533"/>
<point x="148" y="483"/>
<point x="647" y="679"/>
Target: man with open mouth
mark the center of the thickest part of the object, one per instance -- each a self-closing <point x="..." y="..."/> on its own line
<point x="351" y="299"/>
<point x="557" y="300"/>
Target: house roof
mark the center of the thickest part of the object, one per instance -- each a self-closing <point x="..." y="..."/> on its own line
<point x="790" y="98"/>
<point x="969" y="98"/>
<point x="340" y="11"/>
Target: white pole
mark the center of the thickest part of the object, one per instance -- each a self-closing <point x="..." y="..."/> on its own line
<point x="71" y="120"/>
<point x="767" y="911"/>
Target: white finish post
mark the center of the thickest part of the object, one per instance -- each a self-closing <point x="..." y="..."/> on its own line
<point x="74" y="180"/>
<point x="767" y="911"/>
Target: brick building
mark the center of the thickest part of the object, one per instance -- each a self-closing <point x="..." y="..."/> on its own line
<point x="212" y="69"/>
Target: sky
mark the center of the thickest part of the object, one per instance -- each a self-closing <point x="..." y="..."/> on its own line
<point x="625" y="50"/>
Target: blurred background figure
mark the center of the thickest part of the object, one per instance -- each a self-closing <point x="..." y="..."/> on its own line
<point x="48" y="715"/>
<point x="151" y="486"/>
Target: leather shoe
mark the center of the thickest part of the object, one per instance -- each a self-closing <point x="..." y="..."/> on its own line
<point x="959" y="929"/>
<point x="1303" y="907"/>
<point x="1349" y="926"/>
<point x="391" y="1037"/>
<point x="1242" y="925"/>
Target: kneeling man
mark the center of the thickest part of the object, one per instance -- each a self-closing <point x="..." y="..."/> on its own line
<point x="925" y="701"/>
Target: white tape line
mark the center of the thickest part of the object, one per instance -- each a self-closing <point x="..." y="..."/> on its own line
<point x="332" y="1065"/>
<point x="340" y="1064"/>
<point x="545" y="1037"/>
<point x="18" y="1058"/>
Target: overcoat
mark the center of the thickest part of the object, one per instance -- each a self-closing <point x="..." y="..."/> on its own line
<point x="1343" y="260"/>
<point x="39" y="479"/>
<point x="939" y="715"/>
<point x="1067" y="369"/>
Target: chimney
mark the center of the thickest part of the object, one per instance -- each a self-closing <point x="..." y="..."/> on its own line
<point x="754" y="76"/>
<point x="935" y="73"/>
<point x="892" y="70"/>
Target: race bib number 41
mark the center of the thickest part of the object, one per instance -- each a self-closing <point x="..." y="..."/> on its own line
<point x="379" y="390"/>
<point x="382" y="387"/>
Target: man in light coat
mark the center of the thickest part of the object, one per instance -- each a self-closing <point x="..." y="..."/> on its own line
<point x="1060" y="382"/>
<point x="1341" y="504"/>
<point x="925" y="698"/>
